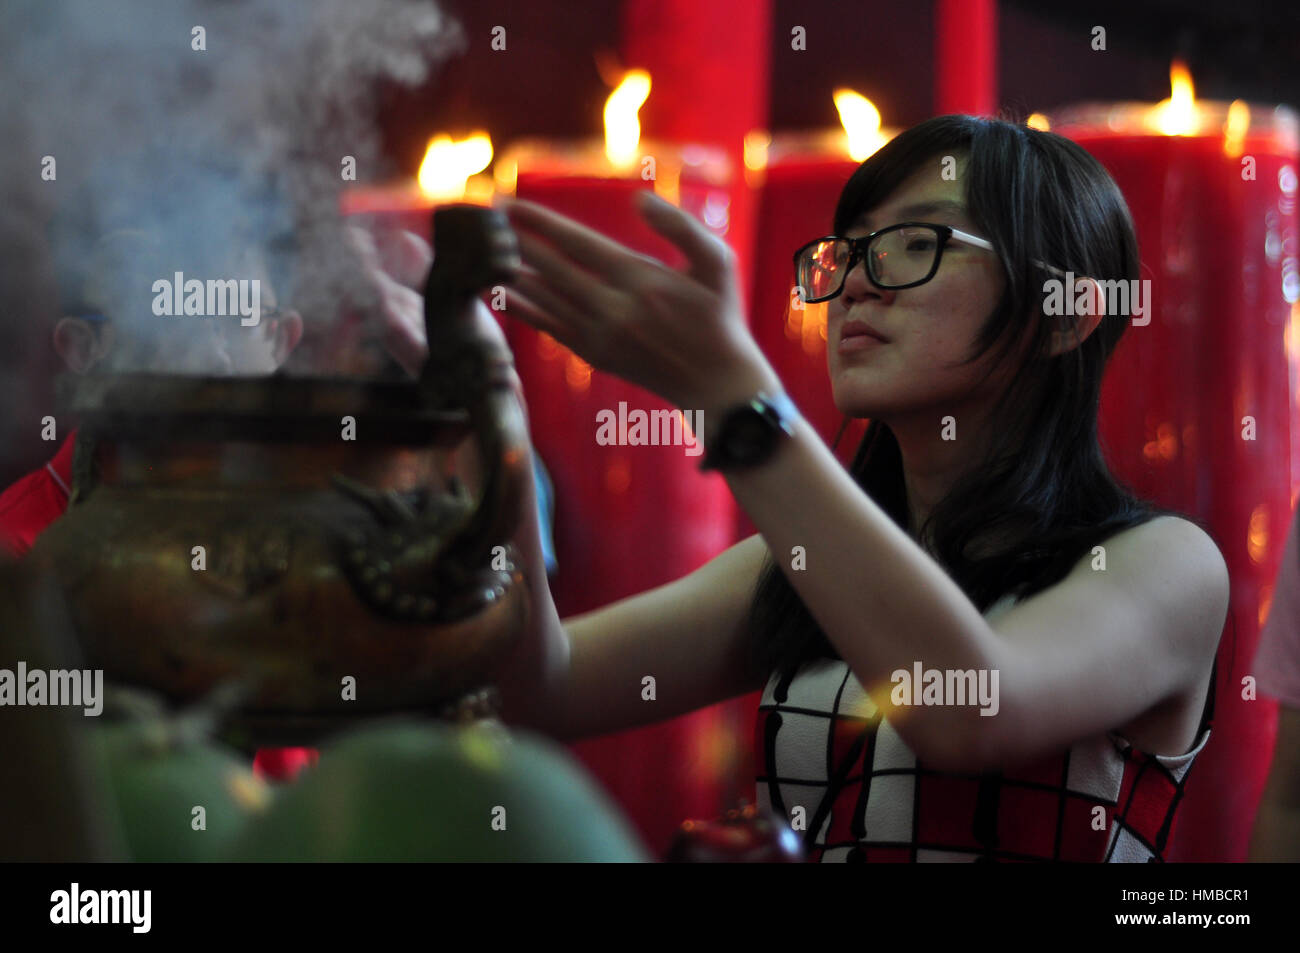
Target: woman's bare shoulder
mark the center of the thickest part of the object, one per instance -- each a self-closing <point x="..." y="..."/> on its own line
<point x="1171" y="551"/>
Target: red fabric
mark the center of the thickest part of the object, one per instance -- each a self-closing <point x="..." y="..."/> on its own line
<point x="36" y="501"/>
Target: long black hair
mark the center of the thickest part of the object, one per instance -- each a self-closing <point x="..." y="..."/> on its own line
<point x="1042" y="496"/>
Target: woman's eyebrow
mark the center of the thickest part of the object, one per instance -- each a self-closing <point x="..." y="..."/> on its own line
<point x="917" y="210"/>
<point x="942" y="207"/>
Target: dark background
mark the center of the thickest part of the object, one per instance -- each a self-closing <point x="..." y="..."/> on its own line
<point x="1247" y="49"/>
<point x="1244" y="49"/>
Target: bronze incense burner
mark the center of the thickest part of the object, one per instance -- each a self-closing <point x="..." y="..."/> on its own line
<point x="308" y="538"/>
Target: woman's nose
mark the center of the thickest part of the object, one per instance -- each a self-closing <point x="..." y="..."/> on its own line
<point x="857" y="285"/>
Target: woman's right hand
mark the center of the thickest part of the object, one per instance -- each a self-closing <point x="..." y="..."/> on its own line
<point x="527" y="679"/>
<point x="398" y="264"/>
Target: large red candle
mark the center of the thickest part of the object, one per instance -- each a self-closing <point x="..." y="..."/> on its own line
<point x="800" y="177"/>
<point x="801" y="180"/>
<point x="705" y="91"/>
<point x="628" y="518"/>
<point x="451" y="172"/>
<point x="1197" y="409"/>
<point x="673" y="516"/>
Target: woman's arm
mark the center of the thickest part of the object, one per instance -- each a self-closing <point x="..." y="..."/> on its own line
<point x="690" y="636"/>
<point x="584" y="677"/>
<point x="1084" y="656"/>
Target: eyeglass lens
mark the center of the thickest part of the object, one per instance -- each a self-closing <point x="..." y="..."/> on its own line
<point x="897" y="257"/>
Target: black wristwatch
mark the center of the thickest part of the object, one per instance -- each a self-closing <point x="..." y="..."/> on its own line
<point x="750" y="433"/>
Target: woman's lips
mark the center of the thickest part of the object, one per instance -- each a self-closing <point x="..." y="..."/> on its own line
<point x="858" y="342"/>
<point x="857" y="339"/>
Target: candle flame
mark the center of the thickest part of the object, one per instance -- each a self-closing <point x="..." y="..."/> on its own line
<point x="861" y="121"/>
<point x="1234" y="128"/>
<point x="1177" y="115"/>
<point x="448" y="164"/>
<point x="757" y="142"/>
<point x="1038" y="121"/>
<point x="622" y="129"/>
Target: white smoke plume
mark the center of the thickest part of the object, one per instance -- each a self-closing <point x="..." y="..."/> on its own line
<point x="214" y="151"/>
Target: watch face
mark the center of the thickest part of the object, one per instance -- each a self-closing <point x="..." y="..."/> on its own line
<point x="748" y="434"/>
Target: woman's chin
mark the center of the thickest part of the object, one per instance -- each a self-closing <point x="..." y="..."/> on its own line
<point x="858" y="401"/>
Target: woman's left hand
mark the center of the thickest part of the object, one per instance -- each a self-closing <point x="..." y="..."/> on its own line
<point x="679" y="334"/>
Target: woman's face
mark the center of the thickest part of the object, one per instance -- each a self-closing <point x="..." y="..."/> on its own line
<point x="928" y="329"/>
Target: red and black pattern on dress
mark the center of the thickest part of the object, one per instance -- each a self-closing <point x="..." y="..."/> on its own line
<point x="825" y="747"/>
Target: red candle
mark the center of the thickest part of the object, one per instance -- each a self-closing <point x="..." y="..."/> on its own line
<point x="447" y="175"/>
<point x="696" y="100"/>
<point x="696" y="96"/>
<point x="628" y="517"/>
<point x="451" y="172"/>
<point x="801" y="177"/>
<point x="1197" y="408"/>
<point x="614" y="483"/>
<point x="801" y="184"/>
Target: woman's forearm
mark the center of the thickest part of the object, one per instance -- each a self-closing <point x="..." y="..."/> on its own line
<point x="881" y="600"/>
<point x="529" y="678"/>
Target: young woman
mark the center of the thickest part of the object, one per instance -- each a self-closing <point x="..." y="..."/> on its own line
<point x="978" y="533"/>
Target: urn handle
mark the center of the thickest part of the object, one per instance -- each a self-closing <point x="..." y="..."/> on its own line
<point x="433" y="558"/>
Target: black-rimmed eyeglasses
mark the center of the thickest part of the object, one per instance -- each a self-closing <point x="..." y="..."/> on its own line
<point x="900" y="256"/>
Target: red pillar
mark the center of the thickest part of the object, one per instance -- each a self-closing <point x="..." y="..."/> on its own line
<point x="966" y="57"/>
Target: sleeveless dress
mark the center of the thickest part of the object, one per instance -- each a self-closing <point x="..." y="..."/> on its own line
<point x="824" y="746"/>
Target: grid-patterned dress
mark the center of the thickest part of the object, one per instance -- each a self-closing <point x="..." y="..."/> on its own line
<point x="825" y="747"/>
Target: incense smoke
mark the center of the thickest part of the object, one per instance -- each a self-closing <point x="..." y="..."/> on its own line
<point x="217" y="156"/>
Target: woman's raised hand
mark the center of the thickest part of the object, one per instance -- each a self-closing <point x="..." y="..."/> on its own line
<point x="679" y="334"/>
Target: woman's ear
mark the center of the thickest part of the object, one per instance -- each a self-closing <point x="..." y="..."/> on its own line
<point x="77" y="343"/>
<point x="1088" y="307"/>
